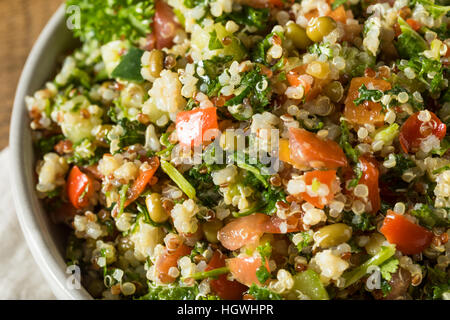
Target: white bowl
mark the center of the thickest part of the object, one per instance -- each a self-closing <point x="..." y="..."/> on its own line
<point x="45" y="239"/>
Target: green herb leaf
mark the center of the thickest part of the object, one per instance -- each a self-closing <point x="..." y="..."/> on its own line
<point x="129" y="67"/>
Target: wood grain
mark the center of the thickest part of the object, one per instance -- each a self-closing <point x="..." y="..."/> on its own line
<point x="21" y="21"/>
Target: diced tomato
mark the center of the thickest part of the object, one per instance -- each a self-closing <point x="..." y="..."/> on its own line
<point x="243" y="269"/>
<point x="169" y="259"/>
<point x="196" y="126"/>
<point x="339" y="14"/>
<point x="80" y="188"/>
<point x="409" y="238"/>
<point x="225" y="289"/>
<point x="142" y="181"/>
<point x="413" y="131"/>
<point x="414" y="24"/>
<point x="298" y="76"/>
<point x="292" y="224"/>
<point x="370" y="176"/>
<point x="243" y="231"/>
<point x="164" y="25"/>
<point x="368" y="112"/>
<point x="323" y="177"/>
<point x="307" y="149"/>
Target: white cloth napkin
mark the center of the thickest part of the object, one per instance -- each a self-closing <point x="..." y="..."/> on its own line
<point x="20" y="277"/>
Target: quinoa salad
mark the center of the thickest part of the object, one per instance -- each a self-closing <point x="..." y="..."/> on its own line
<point x="251" y="149"/>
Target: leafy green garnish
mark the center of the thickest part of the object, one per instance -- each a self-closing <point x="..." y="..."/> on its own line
<point x="214" y="42"/>
<point x="262" y="274"/>
<point x="261" y="293"/>
<point x="361" y="222"/>
<point x="259" y="53"/>
<point x="350" y="152"/>
<point x="365" y="94"/>
<point x="46" y="145"/>
<point x="111" y="20"/>
<point x="123" y="197"/>
<point x="389" y="267"/>
<point x="171" y="292"/>
<point x="209" y="82"/>
<point x="409" y="42"/>
<point x="338" y="3"/>
<point x="428" y="217"/>
<point x="429" y="72"/>
<point x="251" y="81"/>
<point x="129" y="67"/>
<point x="248" y="16"/>
<point x="435" y="10"/>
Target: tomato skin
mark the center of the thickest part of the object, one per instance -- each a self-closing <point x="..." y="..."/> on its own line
<point x="324" y="177"/>
<point x="142" y="181"/>
<point x="370" y="176"/>
<point x="243" y="231"/>
<point x="409" y="238"/>
<point x="225" y="289"/>
<point x="368" y="111"/>
<point x="196" y="126"/>
<point x="307" y="149"/>
<point x="413" y="131"/>
<point x="164" y="25"/>
<point x="243" y="269"/>
<point x="169" y="259"/>
<point x="79" y="188"/>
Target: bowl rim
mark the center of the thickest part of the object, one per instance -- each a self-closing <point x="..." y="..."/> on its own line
<point x="42" y="247"/>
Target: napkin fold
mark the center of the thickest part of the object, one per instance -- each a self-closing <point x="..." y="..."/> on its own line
<point x="20" y="276"/>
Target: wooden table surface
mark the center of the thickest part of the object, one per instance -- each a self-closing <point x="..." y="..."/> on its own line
<point x="21" y="21"/>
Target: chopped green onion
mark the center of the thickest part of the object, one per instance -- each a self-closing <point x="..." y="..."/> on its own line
<point x="178" y="178"/>
<point x="353" y="276"/>
<point x="208" y="274"/>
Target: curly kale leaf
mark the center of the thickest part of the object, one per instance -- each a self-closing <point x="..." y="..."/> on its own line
<point x="111" y="20"/>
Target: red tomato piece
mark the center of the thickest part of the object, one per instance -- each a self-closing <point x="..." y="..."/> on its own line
<point x="169" y="259"/>
<point x="243" y="231"/>
<point x="243" y="269"/>
<point x="409" y="238"/>
<point x="307" y="149"/>
<point x="370" y="175"/>
<point x="324" y="177"/>
<point x="368" y="111"/>
<point x="142" y="181"/>
<point x="164" y="25"/>
<point x="339" y="14"/>
<point x="79" y="188"/>
<point x="196" y="126"/>
<point x="225" y="289"/>
<point x="413" y="131"/>
<point x="414" y="24"/>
